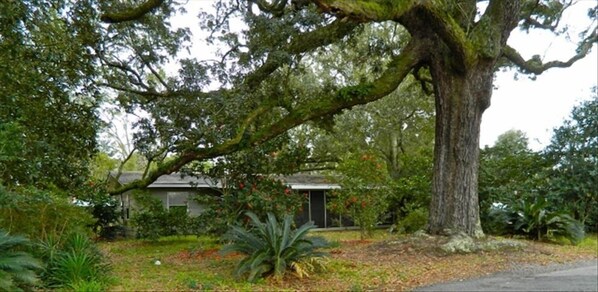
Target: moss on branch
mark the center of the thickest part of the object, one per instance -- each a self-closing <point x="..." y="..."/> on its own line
<point x="367" y="10"/>
<point x="132" y="13"/>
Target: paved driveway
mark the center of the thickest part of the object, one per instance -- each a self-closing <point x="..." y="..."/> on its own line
<point x="581" y="276"/>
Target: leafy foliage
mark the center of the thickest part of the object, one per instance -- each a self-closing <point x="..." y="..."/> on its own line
<point x="103" y="207"/>
<point x="48" y="118"/>
<point x="535" y="220"/>
<point x="152" y="220"/>
<point x="273" y="248"/>
<point x="250" y="181"/>
<point x="574" y="153"/>
<point x="17" y="268"/>
<point x="509" y="172"/>
<point x="72" y="261"/>
<point x="364" y="194"/>
<point x="414" y="220"/>
<point x="40" y="214"/>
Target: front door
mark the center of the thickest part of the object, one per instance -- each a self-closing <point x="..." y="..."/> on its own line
<point x="318" y="208"/>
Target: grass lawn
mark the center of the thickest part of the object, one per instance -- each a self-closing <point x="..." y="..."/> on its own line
<point x="383" y="262"/>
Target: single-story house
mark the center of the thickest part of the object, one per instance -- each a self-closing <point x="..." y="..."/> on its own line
<point x="176" y="190"/>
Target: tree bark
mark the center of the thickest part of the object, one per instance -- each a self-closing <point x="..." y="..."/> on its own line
<point x="461" y="98"/>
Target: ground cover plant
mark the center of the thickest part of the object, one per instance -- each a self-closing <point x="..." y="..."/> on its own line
<point x="385" y="261"/>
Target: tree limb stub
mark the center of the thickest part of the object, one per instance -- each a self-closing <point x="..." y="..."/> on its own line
<point x="131" y="13"/>
<point x="398" y="69"/>
<point x="536" y="66"/>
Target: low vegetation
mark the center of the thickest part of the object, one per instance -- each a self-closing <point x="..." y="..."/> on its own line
<point x="17" y="268"/>
<point x="273" y="249"/>
<point x="386" y="261"/>
<point x="535" y="220"/>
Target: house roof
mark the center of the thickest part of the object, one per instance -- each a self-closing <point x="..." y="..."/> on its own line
<point x="177" y="180"/>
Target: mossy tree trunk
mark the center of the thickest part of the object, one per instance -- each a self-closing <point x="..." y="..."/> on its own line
<point x="461" y="98"/>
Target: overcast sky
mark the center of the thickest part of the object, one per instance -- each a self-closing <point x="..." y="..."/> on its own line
<point x="536" y="107"/>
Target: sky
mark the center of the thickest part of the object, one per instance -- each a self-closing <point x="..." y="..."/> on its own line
<point x="537" y="106"/>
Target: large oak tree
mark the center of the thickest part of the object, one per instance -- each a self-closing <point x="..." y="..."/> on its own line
<point x="256" y="90"/>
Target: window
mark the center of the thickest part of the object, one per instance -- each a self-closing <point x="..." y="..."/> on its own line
<point x="177" y="200"/>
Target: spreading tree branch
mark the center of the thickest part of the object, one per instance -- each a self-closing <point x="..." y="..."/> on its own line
<point x="366" y="10"/>
<point x="132" y="13"/>
<point x="345" y="98"/>
<point x="536" y="66"/>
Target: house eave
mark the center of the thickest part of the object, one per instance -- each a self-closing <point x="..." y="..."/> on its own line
<point x="313" y="186"/>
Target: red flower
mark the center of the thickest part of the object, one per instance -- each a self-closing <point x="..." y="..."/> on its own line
<point x="287" y="191"/>
<point x="241" y="186"/>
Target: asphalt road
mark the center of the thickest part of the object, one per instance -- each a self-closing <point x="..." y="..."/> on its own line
<point x="580" y="276"/>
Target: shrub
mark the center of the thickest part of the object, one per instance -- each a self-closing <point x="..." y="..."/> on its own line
<point x="72" y="262"/>
<point x="153" y="221"/>
<point x="17" y="268"/>
<point x="273" y="249"/>
<point x="534" y="220"/>
<point x="259" y="195"/>
<point x="103" y="207"/>
<point x="416" y="219"/>
<point x="40" y="214"/>
<point x="364" y="194"/>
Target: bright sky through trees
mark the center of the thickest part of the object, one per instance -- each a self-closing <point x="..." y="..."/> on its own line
<point x="532" y="106"/>
<point x="537" y="106"/>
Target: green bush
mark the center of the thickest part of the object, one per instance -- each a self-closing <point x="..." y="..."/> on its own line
<point x="273" y="249"/>
<point x="72" y="262"/>
<point x="416" y="219"/>
<point x="40" y="214"/>
<point x="153" y="221"/>
<point x="536" y="221"/>
<point x="365" y="192"/>
<point x="103" y="207"/>
<point x="17" y="268"/>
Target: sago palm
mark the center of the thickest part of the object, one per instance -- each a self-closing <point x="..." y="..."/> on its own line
<point x="17" y="268"/>
<point x="271" y="248"/>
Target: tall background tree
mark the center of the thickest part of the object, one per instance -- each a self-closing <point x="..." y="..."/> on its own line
<point x="48" y="99"/>
<point x="255" y="92"/>
<point x="573" y="152"/>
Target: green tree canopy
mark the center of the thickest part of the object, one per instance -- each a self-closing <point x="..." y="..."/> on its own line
<point x="510" y="171"/>
<point x="48" y="98"/>
<point x="574" y="152"/>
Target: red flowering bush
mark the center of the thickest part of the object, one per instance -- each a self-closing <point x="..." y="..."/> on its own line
<point x="260" y="195"/>
<point x="364" y="193"/>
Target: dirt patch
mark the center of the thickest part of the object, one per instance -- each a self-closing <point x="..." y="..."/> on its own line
<point x="411" y="262"/>
<point x="201" y="255"/>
